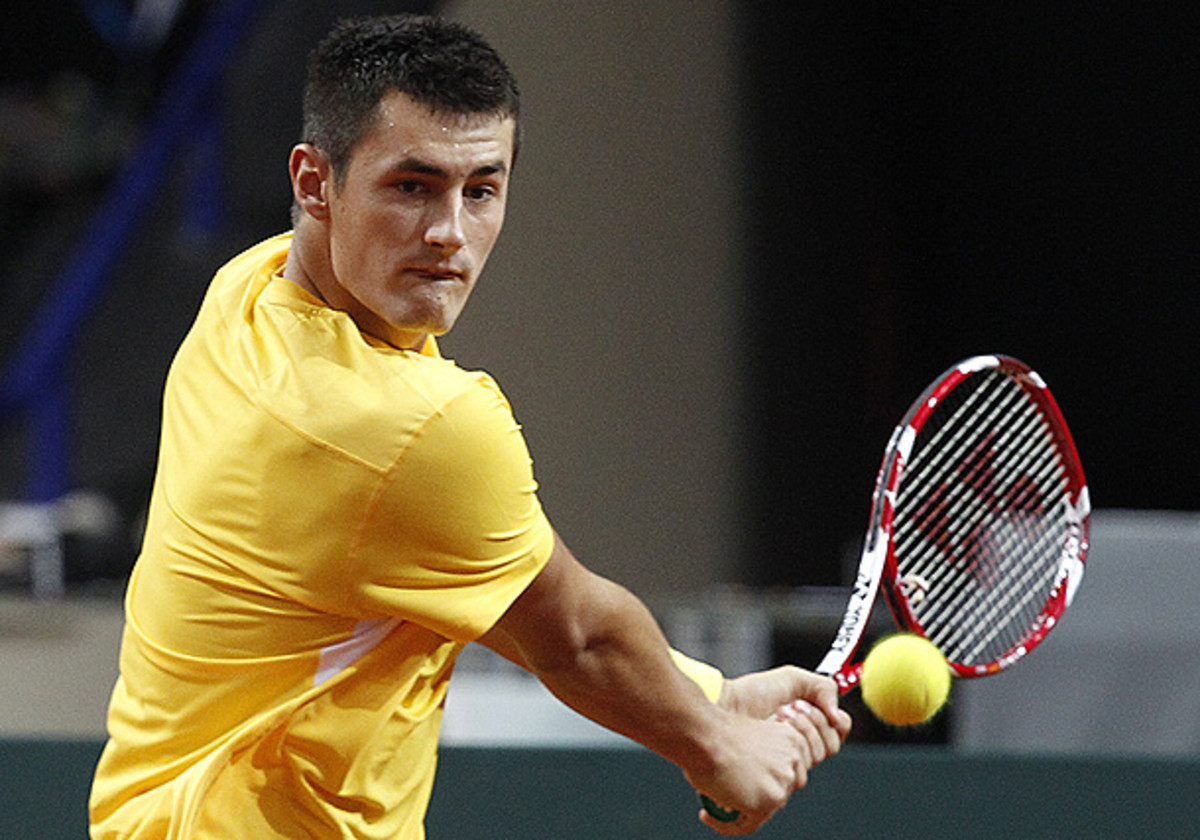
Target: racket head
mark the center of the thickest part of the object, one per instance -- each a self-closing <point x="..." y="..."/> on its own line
<point x="985" y="516"/>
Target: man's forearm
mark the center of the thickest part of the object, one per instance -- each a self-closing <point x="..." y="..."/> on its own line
<point x="709" y="678"/>
<point x="623" y="675"/>
<point x="598" y="649"/>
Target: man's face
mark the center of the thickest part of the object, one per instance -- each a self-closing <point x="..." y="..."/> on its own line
<point x="413" y="221"/>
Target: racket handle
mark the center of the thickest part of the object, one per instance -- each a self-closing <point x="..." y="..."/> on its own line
<point x="717" y="812"/>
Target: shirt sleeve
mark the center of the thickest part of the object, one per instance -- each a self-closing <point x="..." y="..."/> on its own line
<point x="708" y="677"/>
<point x="456" y="531"/>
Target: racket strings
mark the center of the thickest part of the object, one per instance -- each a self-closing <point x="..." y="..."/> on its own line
<point x="999" y="597"/>
<point x="985" y="593"/>
<point x="975" y="513"/>
<point x="996" y="541"/>
<point x="958" y="491"/>
<point x="935" y="466"/>
<point x="1005" y="619"/>
<point x="941" y="454"/>
<point x="1005" y="622"/>
<point x="992" y="625"/>
<point x="968" y="510"/>
<point x="1001" y="606"/>
<point x="968" y="426"/>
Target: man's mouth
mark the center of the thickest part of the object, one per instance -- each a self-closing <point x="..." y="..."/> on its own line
<point x="436" y="273"/>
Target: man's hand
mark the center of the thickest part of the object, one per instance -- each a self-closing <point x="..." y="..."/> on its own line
<point x="784" y="722"/>
<point x="762" y="693"/>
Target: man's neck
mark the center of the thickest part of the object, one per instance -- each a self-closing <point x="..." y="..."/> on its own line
<point x="305" y="264"/>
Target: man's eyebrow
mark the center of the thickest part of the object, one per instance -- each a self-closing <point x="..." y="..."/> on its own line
<point x="422" y="167"/>
<point x="497" y="168"/>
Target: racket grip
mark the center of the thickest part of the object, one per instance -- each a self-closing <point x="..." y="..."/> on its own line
<point x="716" y="811"/>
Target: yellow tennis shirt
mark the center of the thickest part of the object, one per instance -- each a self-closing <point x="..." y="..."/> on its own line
<point x="332" y="519"/>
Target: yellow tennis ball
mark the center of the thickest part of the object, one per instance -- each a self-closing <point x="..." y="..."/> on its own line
<point x="905" y="680"/>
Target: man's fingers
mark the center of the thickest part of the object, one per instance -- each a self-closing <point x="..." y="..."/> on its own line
<point x="827" y="701"/>
<point x="821" y="738"/>
<point x="827" y="730"/>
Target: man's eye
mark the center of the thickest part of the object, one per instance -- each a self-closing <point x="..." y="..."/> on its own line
<point x="410" y="187"/>
<point x="481" y="192"/>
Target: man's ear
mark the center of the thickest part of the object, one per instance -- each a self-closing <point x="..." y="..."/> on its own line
<point x="312" y="178"/>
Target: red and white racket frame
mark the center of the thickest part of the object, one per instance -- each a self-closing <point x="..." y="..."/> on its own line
<point x="878" y="565"/>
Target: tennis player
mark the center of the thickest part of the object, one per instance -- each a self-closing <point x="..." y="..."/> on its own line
<point x="338" y="510"/>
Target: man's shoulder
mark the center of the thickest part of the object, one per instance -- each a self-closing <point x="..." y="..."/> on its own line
<point x="312" y="373"/>
<point x="371" y="403"/>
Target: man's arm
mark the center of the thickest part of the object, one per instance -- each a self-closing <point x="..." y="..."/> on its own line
<point x="598" y="649"/>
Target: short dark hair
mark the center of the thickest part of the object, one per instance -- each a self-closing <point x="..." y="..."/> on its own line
<point x="441" y="64"/>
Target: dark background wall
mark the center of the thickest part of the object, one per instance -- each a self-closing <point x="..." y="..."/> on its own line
<point x="932" y="181"/>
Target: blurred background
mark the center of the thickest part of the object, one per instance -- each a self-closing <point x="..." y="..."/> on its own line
<point x="741" y="238"/>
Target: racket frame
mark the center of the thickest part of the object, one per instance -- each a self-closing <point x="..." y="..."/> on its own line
<point x="878" y="567"/>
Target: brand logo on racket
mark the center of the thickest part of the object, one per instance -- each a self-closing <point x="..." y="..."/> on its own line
<point x="976" y="492"/>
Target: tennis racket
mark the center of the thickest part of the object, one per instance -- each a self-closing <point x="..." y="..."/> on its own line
<point x="978" y="530"/>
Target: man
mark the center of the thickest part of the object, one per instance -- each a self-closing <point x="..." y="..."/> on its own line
<point x="338" y="510"/>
